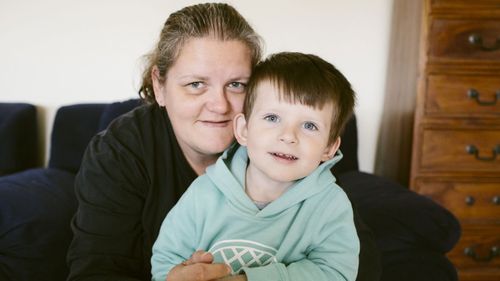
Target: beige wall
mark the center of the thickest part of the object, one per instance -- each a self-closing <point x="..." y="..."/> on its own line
<point x="59" y="52"/>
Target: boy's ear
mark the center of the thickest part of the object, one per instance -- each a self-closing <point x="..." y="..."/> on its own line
<point x="157" y="86"/>
<point x="240" y="129"/>
<point x="330" y="150"/>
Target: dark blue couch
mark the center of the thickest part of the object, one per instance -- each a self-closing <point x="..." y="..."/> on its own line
<point x="18" y="137"/>
<point x="411" y="231"/>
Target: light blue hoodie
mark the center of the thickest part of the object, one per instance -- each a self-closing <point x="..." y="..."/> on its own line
<point x="306" y="234"/>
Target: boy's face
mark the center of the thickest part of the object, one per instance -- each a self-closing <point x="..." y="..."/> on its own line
<point x="285" y="141"/>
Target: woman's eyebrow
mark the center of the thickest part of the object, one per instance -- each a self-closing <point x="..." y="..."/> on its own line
<point x="193" y="76"/>
<point x="245" y="77"/>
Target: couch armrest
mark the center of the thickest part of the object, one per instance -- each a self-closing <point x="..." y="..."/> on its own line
<point x="400" y="218"/>
<point x="417" y="265"/>
<point x="36" y="207"/>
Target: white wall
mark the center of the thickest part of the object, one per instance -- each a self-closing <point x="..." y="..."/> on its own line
<point x="59" y="52"/>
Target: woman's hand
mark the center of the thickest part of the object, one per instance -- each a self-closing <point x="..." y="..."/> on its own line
<point x="200" y="268"/>
<point x="234" y="278"/>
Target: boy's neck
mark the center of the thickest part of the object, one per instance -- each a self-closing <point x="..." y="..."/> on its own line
<point x="261" y="188"/>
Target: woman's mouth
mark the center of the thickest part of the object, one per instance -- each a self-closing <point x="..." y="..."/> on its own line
<point x="223" y="123"/>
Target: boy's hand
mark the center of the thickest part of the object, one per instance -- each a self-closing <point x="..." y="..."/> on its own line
<point x="199" y="267"/>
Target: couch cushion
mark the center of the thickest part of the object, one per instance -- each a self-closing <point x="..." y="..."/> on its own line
<point x="349" y="147"/>
<point x="36" y="207"/>
<point x="400" y="218"/>
<point x="18" y="137"/>
<point x="74" y="126"/>
<point x="116" y="109"/>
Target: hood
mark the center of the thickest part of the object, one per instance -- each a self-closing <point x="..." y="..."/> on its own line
<point x="228" y="175"/>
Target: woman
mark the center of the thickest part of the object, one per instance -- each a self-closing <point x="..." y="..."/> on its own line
<point x="135" y="171"/>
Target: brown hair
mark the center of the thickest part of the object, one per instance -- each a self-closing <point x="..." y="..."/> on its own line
<point x="306" y="79"/>
<point x="217" y="20"/>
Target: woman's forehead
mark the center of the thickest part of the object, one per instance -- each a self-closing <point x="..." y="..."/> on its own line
<point x="208" y="56"/>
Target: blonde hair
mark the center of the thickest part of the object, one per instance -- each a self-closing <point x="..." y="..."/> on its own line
<point x="217" y="20"/>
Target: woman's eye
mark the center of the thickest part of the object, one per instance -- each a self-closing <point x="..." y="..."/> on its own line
<point x="310" y="126"/>
<point x="196" y="85"/>
<point x="237" y="85"/>
<point x="271" y="118"/>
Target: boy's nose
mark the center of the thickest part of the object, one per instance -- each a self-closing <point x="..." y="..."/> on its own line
<point x="288" y="136"/>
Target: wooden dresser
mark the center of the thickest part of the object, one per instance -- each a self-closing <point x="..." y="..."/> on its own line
<point x="456" y="141"/>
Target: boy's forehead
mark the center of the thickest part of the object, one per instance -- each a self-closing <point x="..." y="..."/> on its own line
<point x="266" y="85"/>
<point x="268" y="91"/>
<point x="269" y="96"/>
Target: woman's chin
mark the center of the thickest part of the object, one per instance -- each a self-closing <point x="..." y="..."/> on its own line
<point x="217" y="147"/>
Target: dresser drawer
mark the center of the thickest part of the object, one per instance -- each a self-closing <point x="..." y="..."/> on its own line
<point x="451" y="5"/>
<point x="461" y="150"/>
<point x="479" y="247"/>
<point x="455" y="95"/>
<point x="451" y="39"/>
<point x="475" y="200"/>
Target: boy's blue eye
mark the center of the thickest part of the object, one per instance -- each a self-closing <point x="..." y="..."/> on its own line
<point x="310" y="126"/>
<point x="271" y="118"/>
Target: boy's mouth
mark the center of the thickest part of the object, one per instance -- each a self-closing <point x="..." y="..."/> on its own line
<point x="284" y="156"/>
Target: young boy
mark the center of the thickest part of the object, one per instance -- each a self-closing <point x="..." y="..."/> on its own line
<point x="269" y="208"/>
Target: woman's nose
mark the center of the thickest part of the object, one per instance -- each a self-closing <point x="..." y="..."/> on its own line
<point x="218" y="102"/>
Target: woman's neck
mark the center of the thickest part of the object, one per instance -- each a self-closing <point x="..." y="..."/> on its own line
<point x="198" y="161"/>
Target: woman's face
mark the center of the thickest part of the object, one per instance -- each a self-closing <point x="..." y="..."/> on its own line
<point x="203" y="90"/>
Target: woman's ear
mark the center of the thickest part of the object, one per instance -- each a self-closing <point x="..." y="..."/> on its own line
<point x="240" y="129"/>
<point x="330" y="150"/>
<point x="158" y="86"/>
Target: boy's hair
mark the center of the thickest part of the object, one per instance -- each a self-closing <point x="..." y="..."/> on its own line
<point x="308" y="80"/>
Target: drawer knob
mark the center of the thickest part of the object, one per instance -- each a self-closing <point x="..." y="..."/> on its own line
<point x="472" y="149"/>
<point x="469" y="200"/>
<point x="496" y="200"/>
<point x="470" y="252"/>
<point x="474" y="94"/>
<point x="477" y="40"/>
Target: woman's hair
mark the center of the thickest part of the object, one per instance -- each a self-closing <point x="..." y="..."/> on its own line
<point x="217" y="20"/>
<point x="305" y="79"/>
